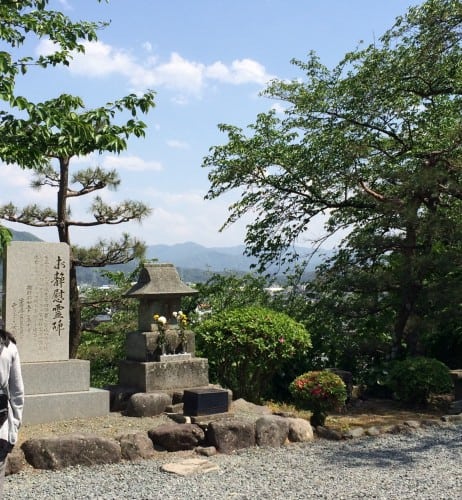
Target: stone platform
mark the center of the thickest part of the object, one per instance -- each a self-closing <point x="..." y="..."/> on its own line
<point x="60" y="390"/>
<point x="164" y="375"/>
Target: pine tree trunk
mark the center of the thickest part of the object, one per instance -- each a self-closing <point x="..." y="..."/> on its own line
<point x="74" y="313"/>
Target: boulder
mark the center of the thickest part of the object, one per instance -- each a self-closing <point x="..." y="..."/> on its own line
<point x="355" y="432"/>
<point x="271" y="430"/>
<point x="147" y="404"/>
<point x="176" y="437"/>
<point x="231" y="434"/>
<point x="136" y="446"/>
<point x="300" y="430"/>
<point x="246" y="408"/>
<point x="326" y="433"/>
<point x="73" y="449"/>
<point x="15" y="462"/>
<point x="207" y="451"/>
<point x="373" y="431"/>
<point x="451" y="418"/>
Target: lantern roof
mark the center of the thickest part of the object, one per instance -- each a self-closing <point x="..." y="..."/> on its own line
<point x="159" y="279"/>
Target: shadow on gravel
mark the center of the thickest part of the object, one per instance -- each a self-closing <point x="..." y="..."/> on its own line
<point x="395" y="450"/>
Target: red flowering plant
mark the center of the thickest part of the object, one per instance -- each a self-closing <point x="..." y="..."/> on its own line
<point x="319" y="392"/>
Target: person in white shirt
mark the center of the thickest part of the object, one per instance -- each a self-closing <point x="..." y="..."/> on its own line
<point x="12" y="395"/>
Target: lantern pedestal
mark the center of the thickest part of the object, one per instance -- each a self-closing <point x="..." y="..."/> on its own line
<point x="164" y="375"/>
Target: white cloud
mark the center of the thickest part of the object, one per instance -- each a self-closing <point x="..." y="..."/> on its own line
<point x="240" y="72"/>
<point x="132" y="164"/>
<point x="175" y="144"/>
<point x="16" y="188"/>
<point x="177" y="73"/>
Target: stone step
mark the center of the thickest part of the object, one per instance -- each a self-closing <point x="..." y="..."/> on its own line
<point x="43" y="408"/>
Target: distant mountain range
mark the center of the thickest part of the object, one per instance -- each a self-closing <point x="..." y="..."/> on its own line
<point x="215" y="259"/>
<point x="194" y="262"/>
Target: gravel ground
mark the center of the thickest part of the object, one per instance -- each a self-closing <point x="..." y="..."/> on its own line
<point x="425" y="464"/>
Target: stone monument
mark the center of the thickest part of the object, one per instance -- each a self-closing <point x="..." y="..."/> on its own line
<point x="156" y="357"/>
<point x="36" y="311"/>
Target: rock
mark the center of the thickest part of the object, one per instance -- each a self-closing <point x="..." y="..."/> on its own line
<point x="147" y="404"/>
<point x="136" y="446"/>
<point x="326" y="433"/>
<point x="207" y="451"/>
<point x="243" y="406"/>
<point x="373" y="431"/>
<point x="189" y="466"/>
<point x="74" y="449"/>
<point x="356" y="432"/>
<point x="15" y="462"/>
<point x="398" y="428"/>
<point x="271" y="430"/>
<point x="231" y="434"/>
<point x="176" y="437"/>
<point x="300" y="430"/>
<point x="451" y="418"/>
<point x="174" y="408"/>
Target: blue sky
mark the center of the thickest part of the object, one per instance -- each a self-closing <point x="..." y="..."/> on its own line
<point x="207" y="60"/>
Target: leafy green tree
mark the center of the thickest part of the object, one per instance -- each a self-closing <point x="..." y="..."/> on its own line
<point x="373" y="144"/>
<point x="24" y="21"/>
<point x="20" y="21"/>
<point x="60" y="130"/>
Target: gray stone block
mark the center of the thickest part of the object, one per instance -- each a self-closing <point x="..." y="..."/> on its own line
<point x="56" y="376"/>
<point x="154" y="376"/>
<point x="41" y="408"/>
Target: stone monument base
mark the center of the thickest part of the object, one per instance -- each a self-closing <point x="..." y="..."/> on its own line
<point x="164" y="375"/>
<point x="60" y="390"/>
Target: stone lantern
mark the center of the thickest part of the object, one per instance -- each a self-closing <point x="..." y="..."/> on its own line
<point x="149" y="366"/>
<point x="159" y="290"/>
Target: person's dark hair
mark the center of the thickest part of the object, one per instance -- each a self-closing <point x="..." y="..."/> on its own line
<point x="6" y="337"/>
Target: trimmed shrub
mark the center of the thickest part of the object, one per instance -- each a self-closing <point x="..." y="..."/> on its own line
<point x="413" y="380"/>
<point x="319" y="392"/>
<point x="246" y="347"/>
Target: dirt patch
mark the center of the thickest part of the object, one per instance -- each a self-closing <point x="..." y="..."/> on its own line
<point x="379" y="412"/>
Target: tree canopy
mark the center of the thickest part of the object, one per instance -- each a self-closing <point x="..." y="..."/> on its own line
<point x="374" y="145"/>
<point x="21" y="21"/>
<point x="60" y="130"/>
<point x="25" y="19"/>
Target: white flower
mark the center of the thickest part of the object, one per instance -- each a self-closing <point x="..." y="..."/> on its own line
<point x="162" y="319"/>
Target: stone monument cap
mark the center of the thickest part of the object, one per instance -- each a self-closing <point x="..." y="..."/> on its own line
<point x="159" y="279"/>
